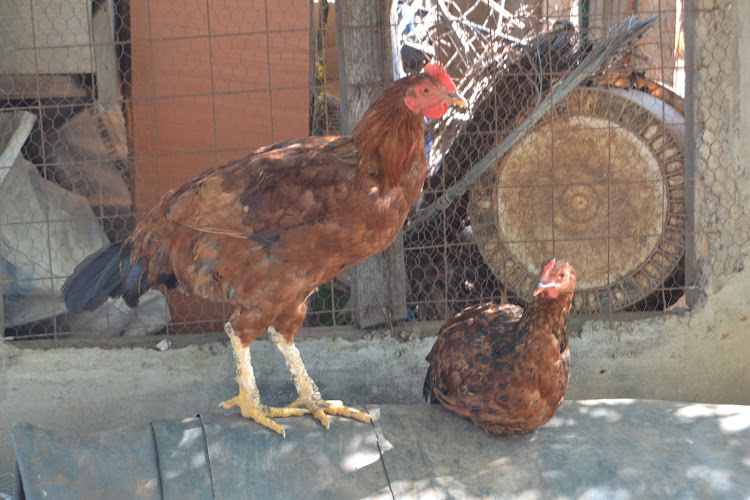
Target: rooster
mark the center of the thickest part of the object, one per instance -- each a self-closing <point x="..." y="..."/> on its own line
<point x="263" y="232"/>
<point x="504" y="368"/>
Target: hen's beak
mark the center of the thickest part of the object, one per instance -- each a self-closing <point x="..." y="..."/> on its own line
<point x="542" y="287"/>
<point x="456" y="100"/>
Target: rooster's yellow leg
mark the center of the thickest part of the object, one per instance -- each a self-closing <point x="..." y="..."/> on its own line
<point x="249" y="398"/>
<point x="308" y="393"/>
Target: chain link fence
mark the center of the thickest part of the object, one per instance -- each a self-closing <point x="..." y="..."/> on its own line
<point x="107" y="105"/>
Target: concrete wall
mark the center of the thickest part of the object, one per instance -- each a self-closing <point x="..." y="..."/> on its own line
<point x="701" y="355"/>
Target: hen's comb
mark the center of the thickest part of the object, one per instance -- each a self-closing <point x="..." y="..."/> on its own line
<point x="547" y="268"/>
<point x="437" y="71"/>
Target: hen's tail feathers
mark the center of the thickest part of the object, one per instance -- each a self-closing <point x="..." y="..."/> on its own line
<point x="106" y="273"/>
<point x="427" y="392"/>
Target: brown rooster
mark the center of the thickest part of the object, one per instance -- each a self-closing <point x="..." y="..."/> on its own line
<point x="263" y="232"/>
<point x="505" y="368"/>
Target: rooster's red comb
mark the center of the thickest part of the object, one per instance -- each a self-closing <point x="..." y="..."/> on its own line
<point x="438" y="72"/>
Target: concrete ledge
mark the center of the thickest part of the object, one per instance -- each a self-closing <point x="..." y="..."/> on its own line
<point x="701" y="356"/>
<point x="591" y="449"/>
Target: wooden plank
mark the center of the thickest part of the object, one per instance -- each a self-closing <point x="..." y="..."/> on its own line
<point x="378" y="290"/>
<point x="695" y="243"/>
<point x="107" y="70"/>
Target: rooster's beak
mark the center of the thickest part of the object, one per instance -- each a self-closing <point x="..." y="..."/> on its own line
<point x="456" y="100"/>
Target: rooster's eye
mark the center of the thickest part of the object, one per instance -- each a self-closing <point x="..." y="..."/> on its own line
<point x="426" y="90"/>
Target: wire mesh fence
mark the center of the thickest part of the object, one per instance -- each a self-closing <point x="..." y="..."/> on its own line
<point x="107" y="105"/>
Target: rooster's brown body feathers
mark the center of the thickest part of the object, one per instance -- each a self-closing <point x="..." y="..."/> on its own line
<point x="262" y="232"/>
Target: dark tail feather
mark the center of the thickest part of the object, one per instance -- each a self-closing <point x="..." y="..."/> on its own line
<point x="134" y="279"/>
<point x="427" y="391"/>
<point x="105" y="273"/>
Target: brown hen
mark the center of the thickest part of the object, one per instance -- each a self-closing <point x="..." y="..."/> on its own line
<point x="504" y="368"/>
<point x="263" y="232"/>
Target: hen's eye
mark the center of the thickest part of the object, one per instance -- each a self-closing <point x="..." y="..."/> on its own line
<point x="426" y="90"/>
<point x="563" y="275"/>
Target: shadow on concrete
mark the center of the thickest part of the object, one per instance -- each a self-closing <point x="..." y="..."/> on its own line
<point x="613" y="449"/>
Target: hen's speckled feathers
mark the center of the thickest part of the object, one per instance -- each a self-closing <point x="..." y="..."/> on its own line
<point x="504" y="368"/>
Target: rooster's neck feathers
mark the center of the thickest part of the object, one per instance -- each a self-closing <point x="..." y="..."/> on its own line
<point x="390" y="137"/>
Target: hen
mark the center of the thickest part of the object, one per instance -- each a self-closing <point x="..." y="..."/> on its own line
<point x="263" y="232"/>
<point x="504" y="368"/>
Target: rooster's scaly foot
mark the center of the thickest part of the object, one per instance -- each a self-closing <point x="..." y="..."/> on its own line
<point x="321" y="408"/>
<point x="262" y="413"/>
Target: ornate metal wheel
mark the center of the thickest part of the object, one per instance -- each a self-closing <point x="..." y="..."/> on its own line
<point x="600" y="181"/>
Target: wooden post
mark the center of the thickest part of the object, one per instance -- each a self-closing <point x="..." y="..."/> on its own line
<point x="378" y="289"/>
<point x="107" y="73"/>
<point x="693" y="133"/>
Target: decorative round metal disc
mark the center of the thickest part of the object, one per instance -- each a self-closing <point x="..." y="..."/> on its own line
<point x="598" y="181"/>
